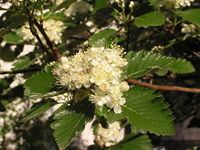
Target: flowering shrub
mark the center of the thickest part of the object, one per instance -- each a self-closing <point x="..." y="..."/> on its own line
<point x="86" y="61"/>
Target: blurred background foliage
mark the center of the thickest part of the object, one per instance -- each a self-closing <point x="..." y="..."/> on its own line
<point x="163" y="32"/>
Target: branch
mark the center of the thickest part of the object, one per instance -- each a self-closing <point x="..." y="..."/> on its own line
<point x="48" y="41"/>
<point x="164" y="88"/>
<point x="34" y="32"/>
<point x="20" y="71"/>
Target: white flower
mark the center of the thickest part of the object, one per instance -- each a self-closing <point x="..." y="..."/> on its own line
<point x="63" y="98"/>
<point x="110" y="136"/>
<point x="10" y="136"/>
<point x="188" y="28"/>
<point x="53" y="29"/>
<point x="11" y="146"/>
<point x="183" y="3"/>
<point x="176" y="3"/>
<point x="131" y="4"/>
<point x="157" y="48"/>
<point x="99" y="69"/>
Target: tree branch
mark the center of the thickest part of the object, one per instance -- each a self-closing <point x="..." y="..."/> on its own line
<point x="164" y="88"/>
<point x="48" y="41"/>
<point x="34" y="32"/>
<point x="20" y="71"/>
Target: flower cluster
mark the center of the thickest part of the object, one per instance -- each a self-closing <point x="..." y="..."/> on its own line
<point x="183" y="3"/>
<point x="53" y="28"/>
<point x="157" y="48"/>
<point x="63" y="98"/>
<point x="188" y="28"/>
<point x="8" y="121"/>
<point x="176" y="3"/>
<point x="100" y="70"/>
<point x="110" y="136"/>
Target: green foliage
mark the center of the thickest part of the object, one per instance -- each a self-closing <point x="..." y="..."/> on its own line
<point x="15" y="20"/>
<point x="65" y="5"/>
<point x="138" y="27"/>
<point x="102" y="38"/>
<point x="39" y="83"/>
<point x="135" y="142"/>
<point x="153" y="2"/>
<point x="100" y="4"/>
<point x="181" y="66"/>
<point x="143" y="62"/>
<point x="146" y="111"/>
<point x="22" y="63"/>
<point x="38" y="110"/>
<point x="69" y="120"/>
<point x="12" y="38"/>
<point x="154" y="18"/>
<point x="191" y="15"/>
<point x="76" y="29"/>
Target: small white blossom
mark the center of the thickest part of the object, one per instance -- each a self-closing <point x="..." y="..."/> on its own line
<point x="63" y="98"/>
<point x="131" y="4"/>
<point x="157" y="48"/>
<point x="188" y="28"/>
<point x="176" y="3"/>
<point x="11" y="146"/>
<point x="110" y="136"/>
<point x="53" y="28"/>
<point x="10" y="136"/>
<point x="183" y="3"/>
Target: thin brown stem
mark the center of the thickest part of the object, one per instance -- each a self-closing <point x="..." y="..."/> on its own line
<point x="20" y="71"/>
<point x="34" y="32"/>
<point x="48" y="41"/>
<point x="164" y="88"/>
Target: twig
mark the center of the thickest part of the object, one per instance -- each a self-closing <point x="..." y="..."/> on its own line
<point x="20" y="71"/>
<point x="34" y="32"/>
<point x="48" y="41"/>
<point x="128" y="36"/>
<point x="164" y="88"/>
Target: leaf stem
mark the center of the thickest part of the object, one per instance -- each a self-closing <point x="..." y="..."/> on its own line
<point x="164" y="87"/>
<point x="21" y="71"/>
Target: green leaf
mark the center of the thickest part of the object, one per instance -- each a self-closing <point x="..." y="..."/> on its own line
<point x="12" y="38"/>
<point x="101" y="38"/>
<point x="65" y="5"/>
<point x="21" y="63"/>
<point x="146" y="111"/>
<point x="100" y="4"/>
<point x="143" y="62"/>
<point x="57" y="16"/>
<point x="38" y="110"/>
<point x="134" y="142"/>
<point x="154" y="18"/>
<point x="191" y="15"/>
<point x="69" y="121"/>
<point x="181" y="66"/>
<point x="78" y="29"/>
<point x="153" y="2"/>
<point x="15" y="20"/>
<point x="39" y="83"/>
